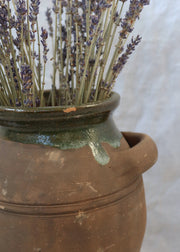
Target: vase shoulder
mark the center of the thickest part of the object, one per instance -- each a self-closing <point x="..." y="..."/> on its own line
<point x="37" y="174"/>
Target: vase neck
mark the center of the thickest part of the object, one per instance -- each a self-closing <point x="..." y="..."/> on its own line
<point x="55" y="119"/>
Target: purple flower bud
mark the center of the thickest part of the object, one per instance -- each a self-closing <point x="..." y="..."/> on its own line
<point x="26" y="76"/>
<point x="50" y="22"/>
<point x="44" y="37"/>
<point x="34" y="10"/>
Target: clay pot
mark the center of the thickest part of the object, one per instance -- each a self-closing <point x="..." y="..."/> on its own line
<point x="70" y="181"/>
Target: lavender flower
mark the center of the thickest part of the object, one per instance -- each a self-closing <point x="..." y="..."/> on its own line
<point x="82" y="49"/>
<point x="44" y="37"/>
<point x="50" y="22"/>
<point x="18" y="103"/>
<point x="4" y="22"/>
<point x="26" y="76"/>
<point x="132" y="14"/>
<point x="125" y="56"/>
<point x="14" y="74"/>
<point x="145" y="2"/>
<point x="55" y="7"/>
<point x="21" y="9"/>
<point x="20" y="25"/>
<point x="34" y="10"/>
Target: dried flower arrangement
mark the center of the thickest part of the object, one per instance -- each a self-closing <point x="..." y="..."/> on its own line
<point x="85" y="65"/>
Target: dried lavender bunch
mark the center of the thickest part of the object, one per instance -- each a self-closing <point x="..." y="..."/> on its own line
<point x="85" y="63"/>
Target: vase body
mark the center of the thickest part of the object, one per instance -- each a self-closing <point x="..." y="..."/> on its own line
<point x="72" y="190"/>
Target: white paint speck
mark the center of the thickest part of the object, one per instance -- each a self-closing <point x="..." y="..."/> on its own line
<point x="106" y="248"/>
<point x="37" y="249"/>
<point x="100" y="250"/>
<point x="88" y="184"/>
<point x="80" y="217"/>
<point x="4" y="192"/>
<point x="55" y="156"/>
<point x="5" y="182"/>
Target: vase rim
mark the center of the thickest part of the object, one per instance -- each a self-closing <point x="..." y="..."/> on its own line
<point x="49" y="118"/>
<point x="113" y="99"/>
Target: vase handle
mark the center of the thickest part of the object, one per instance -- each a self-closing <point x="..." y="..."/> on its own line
<point x="143" y="151"/>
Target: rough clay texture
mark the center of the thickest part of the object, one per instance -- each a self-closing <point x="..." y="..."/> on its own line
<point x="62" y="201"/>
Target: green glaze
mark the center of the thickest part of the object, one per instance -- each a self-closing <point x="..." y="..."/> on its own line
<point x="87" y="126"/>
<point x="91" y="135"/>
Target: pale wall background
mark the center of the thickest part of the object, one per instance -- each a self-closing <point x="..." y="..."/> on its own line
<point x="150" y="90"/>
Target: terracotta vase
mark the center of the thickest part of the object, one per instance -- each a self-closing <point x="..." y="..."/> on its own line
<point x="70" y="181"/>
